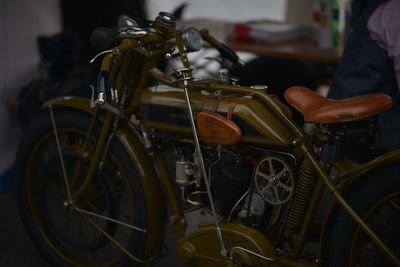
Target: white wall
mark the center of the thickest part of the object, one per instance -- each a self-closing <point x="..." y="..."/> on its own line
<point x="20" y="23"/>
<point x="232" y="10"/>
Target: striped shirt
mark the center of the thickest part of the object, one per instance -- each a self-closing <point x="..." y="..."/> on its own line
<point x="384" y="28"/>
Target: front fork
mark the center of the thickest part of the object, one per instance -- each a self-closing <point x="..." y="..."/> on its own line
<point x="98" y="156"/>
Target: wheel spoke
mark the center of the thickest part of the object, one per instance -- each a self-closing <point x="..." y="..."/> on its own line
<point x="267" y="190"/>
<point x="376" y="229"/>
<point x="266" y="177"/>
<point x="282" y="172"/>
<point x="57" y="193"/>
<point x="284" y="186"/>
<point x="115" y="242"/>
<point x="72" y="227"/>
<point x="67" y="223"/>
<point x="278" y="199"/>
<point x="395" y="205"/>
<point x="82" y="211"/>
<point x="271" y="167"/>
<point x="386" y="221"/>
<point x="94" y="207"/>
<point x="64" y="142"/>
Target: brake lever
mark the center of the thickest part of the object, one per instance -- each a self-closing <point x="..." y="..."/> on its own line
<point x="99" y="54"/>
<point x="92" y="101"/>
<point x="100" y="99"/>
<point x="132" y="32"/>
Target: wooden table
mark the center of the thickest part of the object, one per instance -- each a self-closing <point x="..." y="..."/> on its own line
<point x="304" y="49"/>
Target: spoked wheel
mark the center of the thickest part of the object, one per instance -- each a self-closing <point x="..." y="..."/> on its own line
<point x="67" y="224"/>
<point x="377" y="201"/>
<point x="106" y="221"/>
<point x="384" y="219"/>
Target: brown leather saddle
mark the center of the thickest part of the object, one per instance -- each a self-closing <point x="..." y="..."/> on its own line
<point x="318" y="109"/>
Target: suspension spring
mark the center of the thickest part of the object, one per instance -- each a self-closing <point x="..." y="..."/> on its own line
<point x="305" y="186"/>
<point x="132" y="71"/>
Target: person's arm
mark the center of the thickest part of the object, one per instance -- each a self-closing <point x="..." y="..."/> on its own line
<point x="384" y="27"/>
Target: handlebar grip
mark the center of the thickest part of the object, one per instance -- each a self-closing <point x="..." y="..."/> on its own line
<point x="102" y="87"/>
<point x="103" y="38"/>
<point x="228" y="53"/>
<point x="223" y="49"/>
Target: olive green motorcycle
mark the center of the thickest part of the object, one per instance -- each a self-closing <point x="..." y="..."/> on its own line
<point x="95" y="177"/>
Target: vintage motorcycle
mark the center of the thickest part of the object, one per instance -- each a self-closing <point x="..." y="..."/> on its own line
<point x="92" y="174"/>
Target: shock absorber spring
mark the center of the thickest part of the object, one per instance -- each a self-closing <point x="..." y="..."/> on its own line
<point x="305" y="186"/>
<point x="131" y="72"/>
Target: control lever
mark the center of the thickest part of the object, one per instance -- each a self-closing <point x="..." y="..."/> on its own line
<point x="99" y="54"/>
<point x="128" y="27"/>
<point x="102" y="84"/>
<point x="99" y="95"/>
<point x="125" y="21"/>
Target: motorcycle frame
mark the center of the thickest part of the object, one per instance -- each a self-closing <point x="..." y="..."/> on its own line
<point x="299" y="145"/>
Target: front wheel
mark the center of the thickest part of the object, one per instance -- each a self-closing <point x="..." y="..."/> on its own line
<point x="377" y="201"/>
<point x="107" y="218"/>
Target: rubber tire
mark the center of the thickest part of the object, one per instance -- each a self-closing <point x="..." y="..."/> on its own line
<point x="73" y="118"/>
<point x="363" y="195"/>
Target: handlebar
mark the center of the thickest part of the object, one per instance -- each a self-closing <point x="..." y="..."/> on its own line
<point x="160" y="31"/>
<point x="103" y="38"/>
<point x="222" y="48"/>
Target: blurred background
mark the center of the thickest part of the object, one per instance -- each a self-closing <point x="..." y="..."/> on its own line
<point x="46" y="42"/>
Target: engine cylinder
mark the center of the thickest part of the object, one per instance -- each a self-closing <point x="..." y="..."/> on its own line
<point x="231" y="183"/>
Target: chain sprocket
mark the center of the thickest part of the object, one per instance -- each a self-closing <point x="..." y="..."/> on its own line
<point x="274" y="179"/>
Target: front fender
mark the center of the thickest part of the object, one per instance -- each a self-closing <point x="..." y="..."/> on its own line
<point x="389" y="161"/>
<point x="136" y="150"/>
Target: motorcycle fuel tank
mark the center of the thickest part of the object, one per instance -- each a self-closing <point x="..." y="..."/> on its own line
<point x="165" y="111"/>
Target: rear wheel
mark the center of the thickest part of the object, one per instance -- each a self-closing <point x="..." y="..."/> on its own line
<point x="377" y="200"/>
<point x="96" y="229"/>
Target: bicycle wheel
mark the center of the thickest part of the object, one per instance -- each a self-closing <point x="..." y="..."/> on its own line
<point x="377" y="200"/>
<point x="108" y="218"/>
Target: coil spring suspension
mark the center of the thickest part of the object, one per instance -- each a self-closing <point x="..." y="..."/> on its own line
<point x="305" y="186"/>
<point x="133" y="71"/>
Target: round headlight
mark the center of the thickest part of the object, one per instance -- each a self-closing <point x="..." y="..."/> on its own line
<point x="192" y="40"/>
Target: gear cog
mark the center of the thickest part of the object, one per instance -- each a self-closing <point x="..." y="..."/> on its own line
<point x="274" y="180"/>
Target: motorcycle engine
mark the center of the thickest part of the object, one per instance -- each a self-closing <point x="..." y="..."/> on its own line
<point x="232" y="181"/>
<point x="244" y="192"/>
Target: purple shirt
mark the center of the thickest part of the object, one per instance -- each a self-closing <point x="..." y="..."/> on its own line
<point x="384" y="27"/>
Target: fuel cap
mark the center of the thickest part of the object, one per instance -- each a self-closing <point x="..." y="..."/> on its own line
<point x="167" y="19"/>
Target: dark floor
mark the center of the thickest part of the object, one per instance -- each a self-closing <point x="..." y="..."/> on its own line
<point x="15" y="247"/>
<point x="16" y="250"/>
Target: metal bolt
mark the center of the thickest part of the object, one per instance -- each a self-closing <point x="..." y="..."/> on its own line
<point x="218" y="94"/>
<point x="273" y="180"/>
<point x="172" y="219"/>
